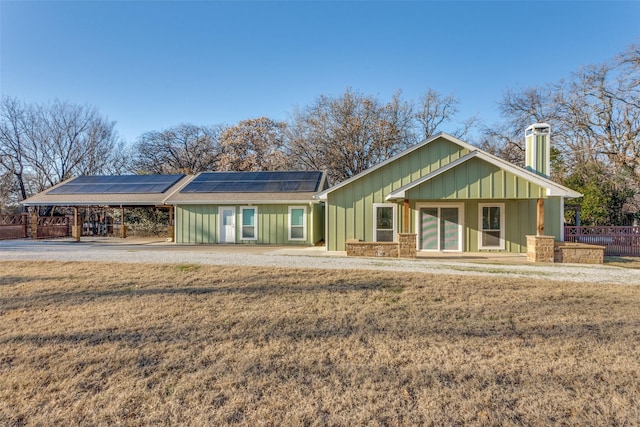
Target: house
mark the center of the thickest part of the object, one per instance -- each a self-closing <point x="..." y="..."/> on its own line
<point x="448" y="195"/>
<point x="440" y="195"/>
<point x="250" y="207"/>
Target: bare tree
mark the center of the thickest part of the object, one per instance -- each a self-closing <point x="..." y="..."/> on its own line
<point x="594" y="116"/>
<point x="435" y="110"/>
<point x="13" y="143"/>
<point x="350" y="133"/>
<point x="67" y="140"/>
<point x="41" y="145"/>
<point x="185" y="148"/>
<point x="253" y="145"/>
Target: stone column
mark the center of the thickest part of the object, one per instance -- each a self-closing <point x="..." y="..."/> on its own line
<point x="540" y="248"/>
<point x="407" y="245"/>
<point x="33" y="223"/>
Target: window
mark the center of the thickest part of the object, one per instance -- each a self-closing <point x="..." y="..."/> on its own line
<point x="440" y="226"/>
<point x="384" y="216"/>
<point x="249" y="223"/>
<point x="491" y="229"/>
<point x="297" y="223"/>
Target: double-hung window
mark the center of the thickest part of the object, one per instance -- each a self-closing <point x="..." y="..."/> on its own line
<point x="249" y="216"/>
<point x="491" y="226"/>
<point x="384" y="217"/>
<point x="297" y="223"/>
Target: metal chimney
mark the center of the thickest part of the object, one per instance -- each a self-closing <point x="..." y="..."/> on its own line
<point x="538" y="149"/>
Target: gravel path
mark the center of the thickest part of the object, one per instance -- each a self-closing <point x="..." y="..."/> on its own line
<point x="60" y="250"/>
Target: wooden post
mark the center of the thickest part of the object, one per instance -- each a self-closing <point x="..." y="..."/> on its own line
<point x="406" y="216"/>
<point x="171" y="215"/>
<point x="123" y="228"/>
<point x="76" y="230"/>
<point x="540" y="218"/>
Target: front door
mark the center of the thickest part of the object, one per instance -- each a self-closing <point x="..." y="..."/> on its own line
<point x="440" y="228"/>
<point x="227" y="225"/>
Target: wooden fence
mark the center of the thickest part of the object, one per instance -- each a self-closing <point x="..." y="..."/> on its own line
<point x="13" y="226"/>
<point x="618" y="241"/>
<point x="53" y="226"/>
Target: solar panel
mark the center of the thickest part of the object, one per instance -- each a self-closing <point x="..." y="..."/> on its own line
<point x="255" y="182"/>
<point x="118" y="184"/>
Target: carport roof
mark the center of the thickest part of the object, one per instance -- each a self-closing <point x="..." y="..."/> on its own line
<point x="204" y="188"/>
<point x="114" y="190"/>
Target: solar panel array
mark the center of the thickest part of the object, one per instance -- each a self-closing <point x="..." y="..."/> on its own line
<point x="119" y="184"/>
<point x="255" y="182"/>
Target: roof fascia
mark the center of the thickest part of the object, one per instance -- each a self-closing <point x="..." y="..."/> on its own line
<point x="244" y="202"/>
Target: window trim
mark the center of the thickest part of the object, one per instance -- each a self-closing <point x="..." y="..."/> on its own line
<point x="255" y="222"/>
<point x="394" y="220"/>
<point x="501" y="245"/>
<point x="304" y="223"/>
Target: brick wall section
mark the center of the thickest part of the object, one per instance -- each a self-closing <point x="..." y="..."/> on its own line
<point x="540" y="248"/>
<point x="578" y="253"/>
<point x="407" y="245"/>
<point x="372" y="249"/>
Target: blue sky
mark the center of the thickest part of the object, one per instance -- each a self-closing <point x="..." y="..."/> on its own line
<point x="149" y="65"/>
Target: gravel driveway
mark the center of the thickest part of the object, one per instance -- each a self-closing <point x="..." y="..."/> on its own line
<point x="155" y="252"/>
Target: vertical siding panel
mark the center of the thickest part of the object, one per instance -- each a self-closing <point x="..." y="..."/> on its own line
<point x="206" y="232"/>
<point x="471" y="225"/>
<point x="283" y="232"/>
<point x="213" y="224"/>
<point x="474" y="179"/>
<point x="192" y="225"/>
<point x="179" y="224"/>
<point x="552" y="217"/>
<point x="358" y="212"/>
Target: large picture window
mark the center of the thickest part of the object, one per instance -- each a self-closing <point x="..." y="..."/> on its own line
<point x="297" y="223"/>
<point x="384" y="216"/>
<point x="491" y="226"/>
<point x="249" y="216"/>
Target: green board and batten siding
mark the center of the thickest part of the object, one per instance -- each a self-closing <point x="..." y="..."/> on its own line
<point x="476" y="179"/>
<point x="352" y="203"/>
<point x="200" y="224"/>
<point x="520" y="221"/>
<point x="350" y="208"/>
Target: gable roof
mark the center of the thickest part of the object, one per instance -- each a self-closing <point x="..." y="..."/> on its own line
<point x="553" y="189"/>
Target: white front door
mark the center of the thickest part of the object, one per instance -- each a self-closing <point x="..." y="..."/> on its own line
<point x="227" y="225"/>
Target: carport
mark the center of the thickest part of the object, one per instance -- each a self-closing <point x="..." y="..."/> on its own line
<point x="119" y="192"/>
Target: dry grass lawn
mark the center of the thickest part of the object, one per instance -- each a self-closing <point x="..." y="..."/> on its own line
<point x="95" y="344"/>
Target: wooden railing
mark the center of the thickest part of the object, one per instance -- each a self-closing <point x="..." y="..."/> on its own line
<point x="618" y="241"/>
<point x="13" y="226"/>
<point x="53" y="226"/>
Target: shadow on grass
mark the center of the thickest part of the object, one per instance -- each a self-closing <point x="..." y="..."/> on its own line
<point x="266" y="290"/>
<point x="306" y="331"/>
